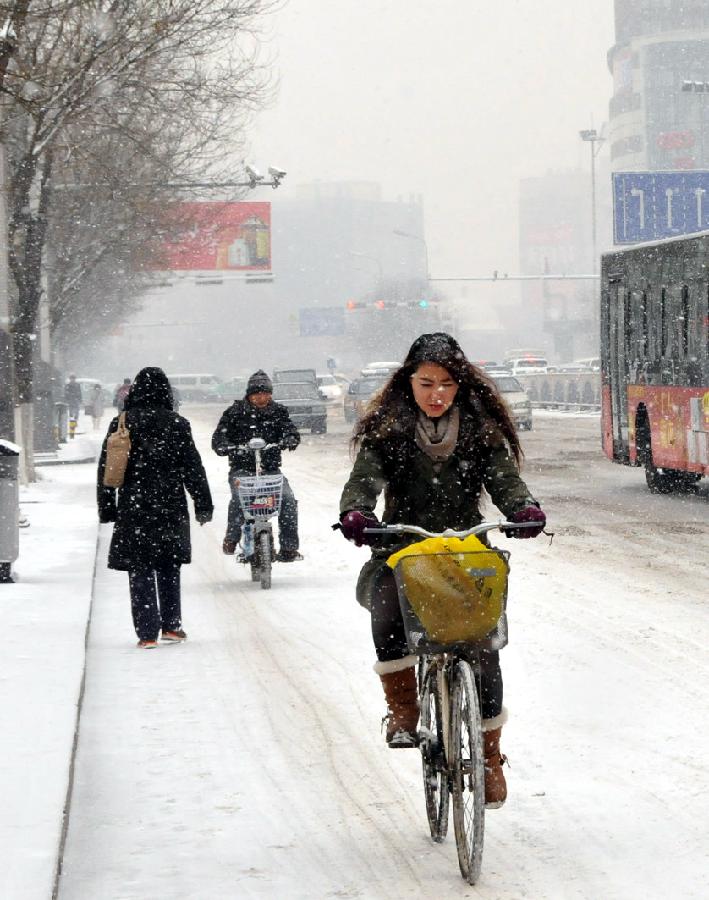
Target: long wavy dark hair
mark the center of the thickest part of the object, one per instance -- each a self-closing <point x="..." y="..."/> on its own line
<point x="477" y="393"/>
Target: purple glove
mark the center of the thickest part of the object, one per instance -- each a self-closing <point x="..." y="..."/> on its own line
<point x="528" y="514"/>
<point x="353" y="524"/>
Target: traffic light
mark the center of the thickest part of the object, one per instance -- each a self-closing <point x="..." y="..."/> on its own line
<point x="423" y="304"/>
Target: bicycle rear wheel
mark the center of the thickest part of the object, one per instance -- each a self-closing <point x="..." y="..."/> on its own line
<point x="467" y="767"/>
<point x="264" y="551"/>
<point x="433" y="756"/>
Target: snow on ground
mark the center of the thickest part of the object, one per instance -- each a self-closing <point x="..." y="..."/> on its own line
<point x="248" y="762"/>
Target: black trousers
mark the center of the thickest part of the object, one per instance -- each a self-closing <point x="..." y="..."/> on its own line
<point x="155" y="601"/>
<point x="390" y="642"/>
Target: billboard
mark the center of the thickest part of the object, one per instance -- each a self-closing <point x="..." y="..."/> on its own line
<point x="214" y="236"/>
<point x="649" y="206"/>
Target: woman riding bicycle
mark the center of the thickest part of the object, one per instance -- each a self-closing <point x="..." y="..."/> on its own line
<point x="436" y="436"/>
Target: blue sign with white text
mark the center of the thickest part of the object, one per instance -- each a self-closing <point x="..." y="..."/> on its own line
<point x="649" y="206"/>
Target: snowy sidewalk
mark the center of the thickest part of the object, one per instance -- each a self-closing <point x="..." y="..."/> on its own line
<point x="44" y="615"/>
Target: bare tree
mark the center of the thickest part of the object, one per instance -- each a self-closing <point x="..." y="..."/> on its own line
<point x="171" y="81"/>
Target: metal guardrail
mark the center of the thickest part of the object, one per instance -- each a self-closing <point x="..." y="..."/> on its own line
<point x="559" y="390"/>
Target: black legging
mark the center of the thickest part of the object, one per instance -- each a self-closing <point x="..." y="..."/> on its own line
<point x="390" y="641"/>
<point x="155" y="609"/>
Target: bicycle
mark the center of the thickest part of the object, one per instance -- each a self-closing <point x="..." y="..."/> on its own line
<point x="260" y="501"/>
<point x="450" y="733"/>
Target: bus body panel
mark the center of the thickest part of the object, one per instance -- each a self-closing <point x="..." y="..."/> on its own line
<point x="655" y="354"/>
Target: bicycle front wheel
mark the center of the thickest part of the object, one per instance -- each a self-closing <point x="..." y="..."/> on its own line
<point x="433" y="756"/>
<point x="467" y="767"/>
<point x="264" y="548"/>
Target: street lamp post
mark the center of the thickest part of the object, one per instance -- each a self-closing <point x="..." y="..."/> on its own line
<point x="591" y="136"/>
<point x="415" y="237"/>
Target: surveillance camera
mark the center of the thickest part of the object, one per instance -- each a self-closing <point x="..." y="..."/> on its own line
<point x="253" y="173"/>
<point x="275" y="172"/>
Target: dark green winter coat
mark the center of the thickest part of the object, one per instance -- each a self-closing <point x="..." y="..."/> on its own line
<point x="390" y="461"/>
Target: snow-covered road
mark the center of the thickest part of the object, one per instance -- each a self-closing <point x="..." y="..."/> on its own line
<point x="248" y="762"/>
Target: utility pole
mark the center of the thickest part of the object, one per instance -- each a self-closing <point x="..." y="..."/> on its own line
<point x="7" y="381"/>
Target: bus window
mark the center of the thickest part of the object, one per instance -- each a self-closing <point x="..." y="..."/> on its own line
<point x="684" y="315"/>
<point x="644" y="336"/>
<point x="627" y="323"/>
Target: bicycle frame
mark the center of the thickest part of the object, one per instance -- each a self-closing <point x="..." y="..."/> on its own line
<point x="451" y="711"/>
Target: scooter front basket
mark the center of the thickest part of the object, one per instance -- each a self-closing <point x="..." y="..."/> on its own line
<point x="260" y="495"/>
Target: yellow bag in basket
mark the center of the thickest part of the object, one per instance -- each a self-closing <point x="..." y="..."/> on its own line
<point x="456" y="587"/>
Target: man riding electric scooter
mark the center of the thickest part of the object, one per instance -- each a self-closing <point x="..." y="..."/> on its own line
<point x="258" y="416"/>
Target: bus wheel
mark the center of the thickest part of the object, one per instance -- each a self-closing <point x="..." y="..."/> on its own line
<point x="667" y="481"/>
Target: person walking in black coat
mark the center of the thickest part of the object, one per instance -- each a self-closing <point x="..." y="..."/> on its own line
<point x="258" y="416"/>
<point x="151" y="537"/>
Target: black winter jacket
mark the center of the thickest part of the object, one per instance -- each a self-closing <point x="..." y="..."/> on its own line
<point x="243" y="421"/>
<point x="152" y="519"/>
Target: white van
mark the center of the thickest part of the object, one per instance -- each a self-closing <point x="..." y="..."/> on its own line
<point x="528" y="365"/>
<point x="197" y="388"/>
<point x="591" y="362"/>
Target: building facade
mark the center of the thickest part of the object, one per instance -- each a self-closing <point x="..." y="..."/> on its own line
<point x="654" y="125"/>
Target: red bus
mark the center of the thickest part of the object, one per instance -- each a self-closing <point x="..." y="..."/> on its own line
<point x="655" y="360"/>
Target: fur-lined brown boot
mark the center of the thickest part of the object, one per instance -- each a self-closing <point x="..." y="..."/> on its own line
<point x="400" y="689"/>
<point x="495" y="784"/>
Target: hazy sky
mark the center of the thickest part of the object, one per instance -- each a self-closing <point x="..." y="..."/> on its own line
<point x="453" y="99"/>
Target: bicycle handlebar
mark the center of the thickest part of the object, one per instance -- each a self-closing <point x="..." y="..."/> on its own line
<point x="231" y="447"/>
<point x="481" y="528"/>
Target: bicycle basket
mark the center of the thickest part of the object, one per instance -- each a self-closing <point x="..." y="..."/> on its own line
<point x="451" y="591"/>
<point x="260" y="495"/>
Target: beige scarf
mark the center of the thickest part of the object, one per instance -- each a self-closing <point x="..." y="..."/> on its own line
<point x="438" y="437"/>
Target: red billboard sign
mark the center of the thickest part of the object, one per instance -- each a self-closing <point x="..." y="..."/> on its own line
<point x="209" y="236"/>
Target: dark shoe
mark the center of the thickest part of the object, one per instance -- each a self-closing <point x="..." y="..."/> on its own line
<point x="147" y="645"/>
<point x="228" y="547"/>
<point x="288" y="556"/>
<point x="174" y="636"/>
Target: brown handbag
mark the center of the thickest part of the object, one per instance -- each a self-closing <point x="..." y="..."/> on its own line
<point x="117" y="452"/>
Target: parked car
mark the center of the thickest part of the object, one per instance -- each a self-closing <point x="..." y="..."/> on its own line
<point x="380" y="368"/>
<point x="294" y="376"/>
<point x="496" y="369"/>
<point x="234" y="388"/>
<point x="304" y="404"/>
<point x="516" y="399"/>
<point x="198" y="388"/>
<point x="359" y="393"/>
<point x="330" y="387"/>
<point x="569" y="368"/>
<point x="528" y="365"/>
<point x="593" y="363"/>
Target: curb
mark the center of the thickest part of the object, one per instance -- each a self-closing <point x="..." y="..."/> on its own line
<point x="64" y="462"/>
<point x="66" y="811"/>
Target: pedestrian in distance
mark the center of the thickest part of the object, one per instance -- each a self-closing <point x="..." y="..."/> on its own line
<point x="72" y="396"/>
<point x="120" y="394"/>
<point x="151" y="536"/>
<point x="258" y="416"/>
<point x="96" y="405"/>
<point x="437" y="437"/>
